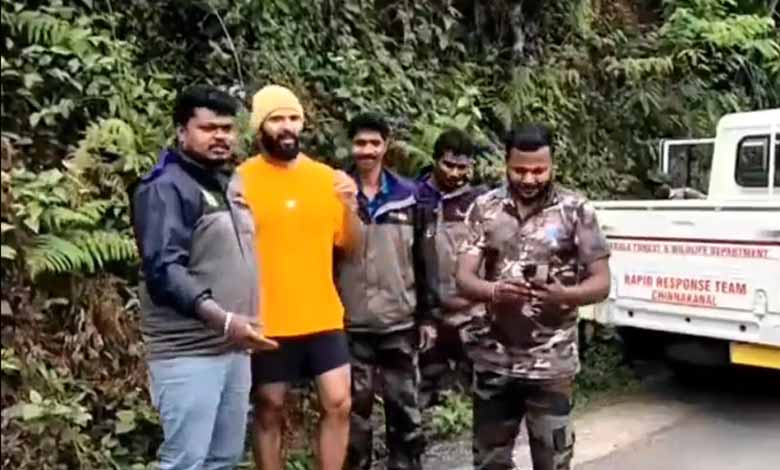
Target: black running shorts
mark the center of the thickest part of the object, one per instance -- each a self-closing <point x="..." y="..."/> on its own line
<point x="300" y="358"/>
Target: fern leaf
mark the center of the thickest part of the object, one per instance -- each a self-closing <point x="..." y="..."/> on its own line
<point x="7" y="252"/>
<point x="78" y="251"/>
<point x="41" y="28"/>
<point x="55" y="218"/>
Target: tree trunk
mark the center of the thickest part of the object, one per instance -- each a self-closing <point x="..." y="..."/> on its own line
<point x="517" y="20"/>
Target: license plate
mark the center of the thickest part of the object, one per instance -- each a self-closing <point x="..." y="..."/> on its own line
<point x="755" y="355"/>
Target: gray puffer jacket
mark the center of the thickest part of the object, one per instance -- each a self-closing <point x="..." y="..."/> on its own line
<point x="386" y="286"/>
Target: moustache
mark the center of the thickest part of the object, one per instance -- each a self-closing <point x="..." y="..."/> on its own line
<point x="286" y="135"/>
<point x="274" y="145"/>
<point x="540" y="190"/>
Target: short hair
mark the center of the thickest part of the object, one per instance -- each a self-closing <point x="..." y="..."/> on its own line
<point x="369" y="122"/>
<point x="455" y="141"/>
<point x="202" y="96"/>
<point x="529" y="138"/>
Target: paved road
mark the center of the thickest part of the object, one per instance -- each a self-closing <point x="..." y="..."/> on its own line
<point x="726" y="420"/>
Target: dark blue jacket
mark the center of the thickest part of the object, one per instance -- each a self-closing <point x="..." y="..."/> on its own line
<point x="443" y="215"/>
<point x="195" y="235"/>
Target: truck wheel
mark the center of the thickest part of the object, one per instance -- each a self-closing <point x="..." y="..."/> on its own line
<point x="641" y="344"/>
<point x="696" y="360"/>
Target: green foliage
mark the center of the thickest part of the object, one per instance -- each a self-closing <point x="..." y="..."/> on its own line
<point x="300" y="460"/>
<point x="42" y="416"/>
<point x="81" y="120"/>
<point x="611" y="92"/>
<point x="67" y="71"/>
<point x="87" y="251"/>
<point x="453" y="417"/>
<point x="406" y="62"/>
<point x="603" y="368"/>
<point x="60" y="68"/>
<point x="8" y="252"/>
<point x="65" y="235"/>
<point x="59" y="414"/>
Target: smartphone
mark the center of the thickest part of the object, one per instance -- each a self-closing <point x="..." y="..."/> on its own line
<point x="529" y="272"/>
<point x="537" y="273"/>
<point x="526" y="277"/>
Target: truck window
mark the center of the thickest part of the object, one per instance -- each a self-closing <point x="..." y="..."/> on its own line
<point x="777" y="161"/>
<point x="752" y="169"/>
<point x="689" y="163"/>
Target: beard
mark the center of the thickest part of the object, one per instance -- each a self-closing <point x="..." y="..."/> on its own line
<point x="518" y="191"/>
<point x="447" y="185"/>
<point x="208" y="159"/>
<point x="277" y="150"/>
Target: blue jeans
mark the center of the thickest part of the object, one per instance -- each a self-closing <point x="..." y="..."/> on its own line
<point x="203" y="404"/>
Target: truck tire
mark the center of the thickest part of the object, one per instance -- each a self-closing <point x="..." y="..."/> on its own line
<point x="696" y="360"/>
<point x="640" y="344"/>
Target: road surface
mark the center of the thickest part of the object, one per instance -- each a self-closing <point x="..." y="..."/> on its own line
<point x="726" y="420"/>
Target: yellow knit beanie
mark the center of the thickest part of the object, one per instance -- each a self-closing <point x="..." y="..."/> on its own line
<point x="269" y="99"/>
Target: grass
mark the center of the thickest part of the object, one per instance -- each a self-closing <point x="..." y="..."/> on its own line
<point x="452" y="417"/>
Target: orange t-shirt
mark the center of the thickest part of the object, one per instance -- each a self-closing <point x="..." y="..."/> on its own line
<point x="298" y="220"/>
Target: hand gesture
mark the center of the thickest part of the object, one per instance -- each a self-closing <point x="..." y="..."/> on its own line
<point x="510" y="292"/>
<point x="242" y="333"/>
<point x="553" y="294"/>
<point x="346" y="189"/>
<point x="427" y="336"/>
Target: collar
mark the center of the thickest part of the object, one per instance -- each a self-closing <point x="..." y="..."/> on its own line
<point x="458" y="192"/>
<point x="384" y="185"/>
<point x="208" y="176"/>
<point x="550" y="199"/>
<point x="427" y="188"/>
<point x="424" y="174"/>
<point x="392" y="186"/>
<point x="394" y="193"/>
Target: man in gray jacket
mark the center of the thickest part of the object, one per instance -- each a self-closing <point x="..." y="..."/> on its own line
<point x="384" y="287"/>
<point x="198" y="291"/>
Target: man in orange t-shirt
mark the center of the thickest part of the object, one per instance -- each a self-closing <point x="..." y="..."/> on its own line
<point x="302" y="209"/>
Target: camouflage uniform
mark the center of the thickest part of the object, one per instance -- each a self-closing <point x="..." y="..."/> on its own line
<point x="525" y="356"/>
<point x="385" y="295"/>
<point x="446" y="364"/>
<point x="395" y="354"/>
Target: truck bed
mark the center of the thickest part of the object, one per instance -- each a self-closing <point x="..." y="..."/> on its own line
<point x="698" y="267"/>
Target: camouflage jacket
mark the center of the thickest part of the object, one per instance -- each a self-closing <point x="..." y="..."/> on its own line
<point x="444" y="217"/>
<point x="557" y="240"/>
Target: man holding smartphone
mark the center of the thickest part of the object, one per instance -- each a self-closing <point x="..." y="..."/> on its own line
<point x="544" y="255"/>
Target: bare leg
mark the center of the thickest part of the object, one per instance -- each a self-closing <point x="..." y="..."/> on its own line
<point x="334" y="391"/>
<point x="269" y="416"/>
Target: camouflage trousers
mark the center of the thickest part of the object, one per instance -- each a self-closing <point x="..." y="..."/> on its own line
<point x="445" y="366"/>
<point x="394" y="357"/>
<point x="501" y="403"/>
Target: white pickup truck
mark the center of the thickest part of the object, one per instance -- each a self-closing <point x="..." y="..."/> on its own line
<point x="704" y="274"/>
